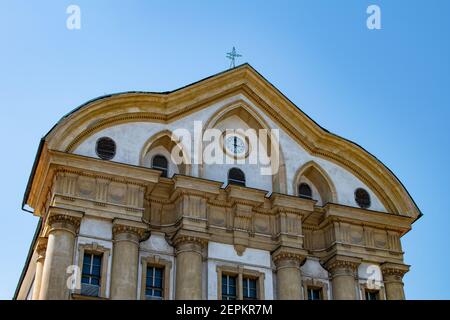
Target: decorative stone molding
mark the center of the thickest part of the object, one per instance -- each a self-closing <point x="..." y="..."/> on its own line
<point x="341" y="265"/>
<point x="125" y="230"/>
<point x="41" y="247"/>
<point x="189" y="243"/>
<point x="283" y="257"/>
<point x="59" y="218"/>
<point x="393" y="272"/>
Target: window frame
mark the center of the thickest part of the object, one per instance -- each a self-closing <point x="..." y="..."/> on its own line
<point x="110" y="157"/>
<point x="94" y="248"/>
<point x="314" y="289"/>
<point x="157" y="262"/>
<point x="379" y="288"/>
<point x="234" y="276"/>
<point x="240" y="273"/>
<point x="241" y="183"/>
<point x="362" y="202"/>
<point x="244" y="278"/>
<point x="317" y="285"/>
<point x="304" y="196"/>
<point x="372" y="291"/>
<point x="165" y="171"/>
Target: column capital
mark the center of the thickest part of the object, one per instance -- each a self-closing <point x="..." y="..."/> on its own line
<point x="394" y="271"/>
<point x="339" y="265"/>
<point x="41" y="247"/>
<point x="181" y="238"/>
<point x="284" y="256"/>
<point x="60" y="218"/>
<point x="129" y="230"/>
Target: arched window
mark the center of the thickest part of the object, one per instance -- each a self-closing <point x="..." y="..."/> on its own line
<point x="362" y="198"/>
<point x="159" y="162"/>
<point x="105" y="148"/>
<point x="304" y="191"/>
<point x="236" y="176"/>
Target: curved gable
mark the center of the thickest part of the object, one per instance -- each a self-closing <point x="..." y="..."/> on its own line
<point x="215" y="93"/>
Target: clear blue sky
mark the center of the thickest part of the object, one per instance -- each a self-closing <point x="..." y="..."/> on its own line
<point x="388" y="90"/>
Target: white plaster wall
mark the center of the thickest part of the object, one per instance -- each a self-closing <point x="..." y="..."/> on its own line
<point x="96" y="228"/>
<point x="131" y="137"/>
<point x="369" y="271"/>
<point x="253" y="259"/>
<point x="313" y="270"/>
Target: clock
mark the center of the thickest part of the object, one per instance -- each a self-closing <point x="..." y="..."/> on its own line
<point x="235" y="145"/>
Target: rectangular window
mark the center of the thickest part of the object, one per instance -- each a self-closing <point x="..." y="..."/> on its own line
<point x="371" y="294"/>
<point x="154" y="283"/>
<point x="91" y="273"/>
<point x="314" y="294"/>
<point x="229" y="287"/>
<point x="249" y="288"/>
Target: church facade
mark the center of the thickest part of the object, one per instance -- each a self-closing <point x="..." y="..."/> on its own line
<point x="135" y="201"/>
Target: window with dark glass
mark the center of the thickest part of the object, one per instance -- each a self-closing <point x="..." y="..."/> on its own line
<point x="314" y="294"/>
<point x="304" y="191"/>
<point x="236" y="176"/>
<point x="154" y="283"/>
<point x="159" y="162"/>
<point x="91" y="274"/>
<point x="105" y="148"/>
<point x="362" y="198"/>
<point x="229" y="287"/>
<point x="371" y="294"/>
<point x="249" y="289"/>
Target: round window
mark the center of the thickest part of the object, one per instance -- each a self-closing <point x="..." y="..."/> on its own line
<point x="362" y="198"/>
<point x="105" y="148"/>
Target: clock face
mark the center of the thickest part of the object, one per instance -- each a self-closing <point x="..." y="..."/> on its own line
<point x="235" y="145"/>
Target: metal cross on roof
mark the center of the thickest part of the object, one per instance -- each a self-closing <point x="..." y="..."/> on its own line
<point x="232" y="56"/>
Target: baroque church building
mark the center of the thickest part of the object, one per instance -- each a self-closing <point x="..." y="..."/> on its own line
<point x="131" y="206"/>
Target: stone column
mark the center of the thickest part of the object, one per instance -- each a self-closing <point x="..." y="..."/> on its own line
<point x="289" y="277"/>
<point x="189" y="267"/>
<point x="125" y="258"/>
<point x="62" y="227"/>
<point x="41" y="247"/>
<point x="343" y="272"/>
<point x="392" y="278"/>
